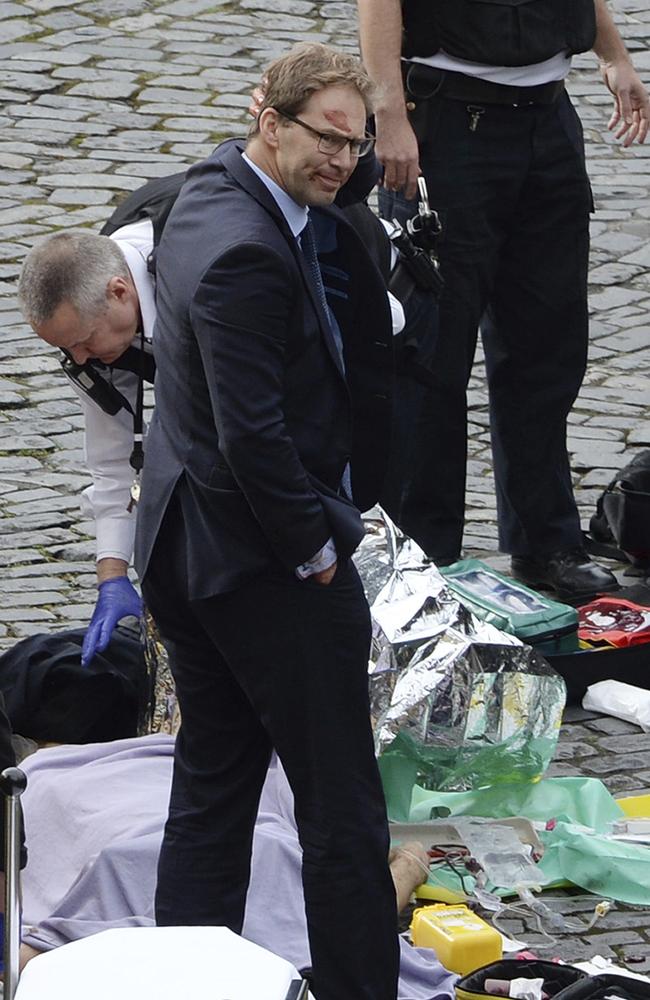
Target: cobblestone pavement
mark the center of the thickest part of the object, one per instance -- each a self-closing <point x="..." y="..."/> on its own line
<point x="98" y="96"/>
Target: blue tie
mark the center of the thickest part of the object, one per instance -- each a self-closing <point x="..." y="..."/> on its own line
<point x="308" y="247"/>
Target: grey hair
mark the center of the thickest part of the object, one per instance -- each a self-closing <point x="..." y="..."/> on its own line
<point x="72" y="267"/>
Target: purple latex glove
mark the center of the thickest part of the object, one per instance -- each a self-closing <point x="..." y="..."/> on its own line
<point x="117" y="599"/>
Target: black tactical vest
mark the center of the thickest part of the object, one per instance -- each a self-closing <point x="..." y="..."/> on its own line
<point x="498" y="32"/>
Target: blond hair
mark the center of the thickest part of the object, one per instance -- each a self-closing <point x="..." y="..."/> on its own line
<point x="289" y="81"/>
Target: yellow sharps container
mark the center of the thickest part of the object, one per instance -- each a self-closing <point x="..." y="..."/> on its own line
<point x="461" y="940"/>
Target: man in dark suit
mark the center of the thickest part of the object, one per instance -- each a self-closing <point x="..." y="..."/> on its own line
<point x="271" y="427"/>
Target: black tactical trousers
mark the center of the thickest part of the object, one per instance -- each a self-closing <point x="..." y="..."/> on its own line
<point x="513" y="195"/>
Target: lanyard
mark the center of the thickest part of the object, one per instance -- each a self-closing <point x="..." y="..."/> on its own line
<point x="136" y="459"/>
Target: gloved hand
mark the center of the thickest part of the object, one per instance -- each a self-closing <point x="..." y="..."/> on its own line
<point x="117" y="599"/>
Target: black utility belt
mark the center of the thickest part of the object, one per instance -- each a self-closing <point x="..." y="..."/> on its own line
<point x="423" y="82"/>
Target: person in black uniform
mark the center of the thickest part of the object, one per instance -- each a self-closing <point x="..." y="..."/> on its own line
<point x="501" y="149"/>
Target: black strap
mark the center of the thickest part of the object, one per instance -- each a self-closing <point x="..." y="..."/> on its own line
<point x="597" y="547"/>
<point x="136" y="459"/>
<point x="136" y="360"/>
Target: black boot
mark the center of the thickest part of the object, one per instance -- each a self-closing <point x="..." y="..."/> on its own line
<point x="570" y="573"/>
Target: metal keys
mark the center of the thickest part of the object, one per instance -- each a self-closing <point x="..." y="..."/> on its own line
<point x="135" y="494"/>
<point x="474" y="111"/>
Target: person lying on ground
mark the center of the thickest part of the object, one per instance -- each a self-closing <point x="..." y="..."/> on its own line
<point x="106" y="847"/>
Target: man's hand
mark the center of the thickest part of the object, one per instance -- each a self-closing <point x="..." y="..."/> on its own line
<point x="326" y="575"/>
<point x="257" y="100"/>
<point x="631" y="107"/>
<point x="380" y="30"/>
<point x="409" y="866"/>
<point x="117" y="599"/>
<point x="397" y="150"/>
<point x="631" y="115"/>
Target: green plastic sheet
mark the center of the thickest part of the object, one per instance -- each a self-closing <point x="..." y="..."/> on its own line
<point x="583" y="857"/>
<point x="577" y="800"/>
<point x="607" y="868"/>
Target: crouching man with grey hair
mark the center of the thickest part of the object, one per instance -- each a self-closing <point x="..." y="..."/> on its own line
<point x="92" y="297"/>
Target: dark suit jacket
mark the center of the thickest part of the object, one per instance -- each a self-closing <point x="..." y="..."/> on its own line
<point x="255" y="420"/>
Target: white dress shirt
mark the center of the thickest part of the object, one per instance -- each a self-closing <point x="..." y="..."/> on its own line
<point x="109" y="439"/>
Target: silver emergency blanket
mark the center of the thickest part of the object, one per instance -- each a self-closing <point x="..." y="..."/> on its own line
<point x="456" y="704"/>
<point x="160" y="713"/>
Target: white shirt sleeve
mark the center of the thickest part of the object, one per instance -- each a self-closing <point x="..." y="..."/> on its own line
<point x="109" y="440"/>
<point x="108" y="445"/>
<point x="397" y="316"/>
<point x="323" y="559"/>
<point x="396" y="310"/>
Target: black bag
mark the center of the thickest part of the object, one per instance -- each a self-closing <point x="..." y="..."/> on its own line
<point x="602" y="987"/>
<point x="561" y="982"/>
<point x="51" y="698"/>
<point x="498" y="32"/>
<point x="154" y="200"/>
<point x="558" y="979"/>
<point x="628" y="664"/>
<point x="622" y="518"/>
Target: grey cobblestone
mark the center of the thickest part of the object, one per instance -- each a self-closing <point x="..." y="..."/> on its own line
<point x="600" y="941"/>
<point x="633" y="762"/>
<point x="640" y="435"/>
<point x="67" y="196"/>
<point x="32" y="614"/>
<point x="32" y="585"/>
<point x="619" y="744"/>
<point x="84" y="179"/>
<point x="60" y="567"/>
<point x="27" y="599"/>
<point x="570" y="751"/>
<point x="18" y="556"/>
<point x="22" y="630"/>
<point x="612" y="726"/>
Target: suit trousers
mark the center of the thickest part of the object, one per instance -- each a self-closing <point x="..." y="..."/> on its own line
<point x="514" y="198"/>
<point x="277" y="664"/>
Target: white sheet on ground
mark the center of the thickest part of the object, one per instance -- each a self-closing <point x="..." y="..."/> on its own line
<point x="94" y="817"/>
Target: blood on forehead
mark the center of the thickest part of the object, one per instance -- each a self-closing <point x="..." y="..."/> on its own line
<point x="339" y="120"/>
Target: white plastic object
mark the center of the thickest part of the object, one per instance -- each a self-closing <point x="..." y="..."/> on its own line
<point x="157" y="963"/>
<point x="505" y="860"/>
<point x="631" y="825"/>
<point x="527" y="989"/>
<point x="623" y="701"/>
